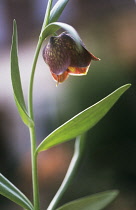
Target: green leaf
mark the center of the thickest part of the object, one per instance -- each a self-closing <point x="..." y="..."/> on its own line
<point x="83" y="121"/>
<point x="95" y="202"/>
<point x="78" y="152"/>
<point x="8" y="190"/>
<point x="16" y="82"/>
<point x="23" y="113"/>
<point x="53" y="27"/>
<point x="57" y="10"/>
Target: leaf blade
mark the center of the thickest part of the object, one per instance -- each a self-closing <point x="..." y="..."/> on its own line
<point x="53" y="27"/>
<point x="16" y="81"/>
<point x="15" y="75"/>
<point x="8" y="190"/>
<point x="23" y="113"/>
<point x="97" y="201"/>
<point x="83" y="121"/>
<point x="57" y="10"/>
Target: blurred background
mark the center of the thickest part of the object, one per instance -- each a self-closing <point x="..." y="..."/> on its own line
<point x="108" y="29"/>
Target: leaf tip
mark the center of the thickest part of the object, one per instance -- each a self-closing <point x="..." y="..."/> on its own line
<point x="128" y="85"/>
<point x="14" y="23"/>
<point x="115" y="192"/>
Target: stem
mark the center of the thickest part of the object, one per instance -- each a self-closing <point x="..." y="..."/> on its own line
<point x="40" y="41"/>
<point x="31" y="114"/>
<point x="45" y="22"/>
<point x="30" y="97"/>
<point x="34" y="169"/>
<point x="32" y="132"/>
<point x="79" y="146"/>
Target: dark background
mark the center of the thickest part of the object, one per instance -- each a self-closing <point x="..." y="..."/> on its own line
<point x="108" y="29"/>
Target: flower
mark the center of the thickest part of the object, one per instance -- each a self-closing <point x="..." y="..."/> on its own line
<point x="65" y="58"/>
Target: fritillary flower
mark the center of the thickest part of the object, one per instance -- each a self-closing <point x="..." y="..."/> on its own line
<point x="64" y="57"/>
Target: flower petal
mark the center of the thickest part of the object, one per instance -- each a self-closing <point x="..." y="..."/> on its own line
<point x="78" y="71"/>
<point x="56" y="56"/>
<point x="94" y="57"/>
<point x="81" y="58"/>
<point x="60" y="78"/>
<point x="78" y="57"/>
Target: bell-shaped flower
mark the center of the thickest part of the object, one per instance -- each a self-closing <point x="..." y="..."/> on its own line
<point x="65" y="57"/>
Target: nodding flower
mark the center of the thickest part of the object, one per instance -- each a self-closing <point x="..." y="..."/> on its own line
<point x="64" y="57"/>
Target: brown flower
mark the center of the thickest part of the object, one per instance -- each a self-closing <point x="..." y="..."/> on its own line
<point x="65" y="58"/>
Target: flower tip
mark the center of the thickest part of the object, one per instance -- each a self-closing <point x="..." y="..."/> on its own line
<point x="95" y="58"/>
<point x="98" y="59"/>
<point x="57" y="84"/>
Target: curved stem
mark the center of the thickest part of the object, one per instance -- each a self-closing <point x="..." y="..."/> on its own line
<point x="40" y="41"/>
<point x="32" y="131"/>
<point x="30" y="96"/>
<point x="79" y="146"/>
<point x="31" y="114"/>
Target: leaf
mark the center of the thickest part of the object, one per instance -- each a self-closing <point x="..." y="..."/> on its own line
<point x="95" y="202"/>
<point x="11" y="192"/>
<point x="57" y="10"/>
<point x="25" y="118"/>
<point x="16" y="82"/>
<point x="53" y="27"/>
<point x="78" y="152"/>
<point x="83" y="121"/>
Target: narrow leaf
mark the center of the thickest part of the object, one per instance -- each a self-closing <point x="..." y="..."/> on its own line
<point x="83" y="121"/>
<point x="16" y="81"/>
<point x="24" y="115"/>
<point x="57" y="10"/>
<point x="53" y="27"/>
<point x="95" y="202"/>
<point x="11" y="192"/>
<point x="78" y="152"/>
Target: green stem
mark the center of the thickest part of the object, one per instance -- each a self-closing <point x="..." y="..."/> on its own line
<point x="30" y="97"/>
<point x="34" y="170"/>
<point x="40" y="41"/>
<point x="79" y="146"/>
<point x="31" y="114"/>
<point x="32" y="132"/>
